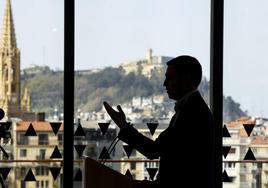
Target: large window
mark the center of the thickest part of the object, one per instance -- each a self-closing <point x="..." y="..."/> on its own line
<point x="31" y="90"/>
<point x="121" y="48"/>
<point x="130" y="42"/>
<point x="245" y="80"/>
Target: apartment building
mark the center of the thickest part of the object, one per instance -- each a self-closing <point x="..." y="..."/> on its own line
<point x="247" y="143"/>
<point x="36" y="148"/>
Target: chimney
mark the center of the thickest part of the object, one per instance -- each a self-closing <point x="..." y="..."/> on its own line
<point x="32" y="116"/>
<point x="40" y="116"/>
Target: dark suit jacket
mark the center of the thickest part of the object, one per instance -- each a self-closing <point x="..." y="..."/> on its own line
<point x="186" y="150"/>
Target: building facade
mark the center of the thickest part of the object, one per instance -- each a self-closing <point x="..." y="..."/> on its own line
<point x="45" y="149"/>
<point x="246" y="161"/>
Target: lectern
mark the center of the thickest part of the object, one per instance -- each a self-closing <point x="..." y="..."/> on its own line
<point x="97" y="175"/>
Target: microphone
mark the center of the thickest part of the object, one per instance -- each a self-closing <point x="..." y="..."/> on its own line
<point x="2" y="181"/>
<point x="113" y="144"/>
<point x="110" y="149"/>
<point x="4" y="152"/>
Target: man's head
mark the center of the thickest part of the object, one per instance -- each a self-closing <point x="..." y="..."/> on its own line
<point x="184" y="74"/>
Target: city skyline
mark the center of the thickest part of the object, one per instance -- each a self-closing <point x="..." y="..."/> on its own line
<point x="111" y="33"/>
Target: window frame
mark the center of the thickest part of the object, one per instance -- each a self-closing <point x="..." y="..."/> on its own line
<point x="43" y="139"/>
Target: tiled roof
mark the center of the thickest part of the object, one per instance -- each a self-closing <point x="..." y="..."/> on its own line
<point x="37" y="125"/>
<point x="238" y="124"/>
<point x="243" y="133"/>
<point x="259" y="140"/>
<point x="241" y="121"/>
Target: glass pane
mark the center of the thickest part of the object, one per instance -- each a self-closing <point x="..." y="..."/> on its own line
<point x="245" y="80"/>
<point x="31" y="92"/>
<point x="121" y="50"/>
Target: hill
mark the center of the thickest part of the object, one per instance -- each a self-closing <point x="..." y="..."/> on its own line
<point x="111" y="84"/>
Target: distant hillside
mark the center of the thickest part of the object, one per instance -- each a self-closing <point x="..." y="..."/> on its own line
<point x="112" y="84"/>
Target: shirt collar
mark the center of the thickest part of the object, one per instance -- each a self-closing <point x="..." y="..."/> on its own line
<point x="182" y="101"/>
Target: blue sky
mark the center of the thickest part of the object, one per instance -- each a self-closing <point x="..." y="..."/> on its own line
<point x="111" y="32"/>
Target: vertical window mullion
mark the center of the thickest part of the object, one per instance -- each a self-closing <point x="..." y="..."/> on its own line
<point x="216" y="82"/>
<point x="69" y="7"/>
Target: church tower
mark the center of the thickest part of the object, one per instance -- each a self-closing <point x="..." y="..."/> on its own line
<point x="10" y="100"/>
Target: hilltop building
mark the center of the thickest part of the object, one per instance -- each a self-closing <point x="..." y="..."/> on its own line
<point x="147" y="65"/>
<point x="10" y="85"/>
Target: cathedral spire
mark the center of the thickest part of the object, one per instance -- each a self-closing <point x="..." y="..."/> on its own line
<point x="8" y="37"/>
<point x="10" y="99"/>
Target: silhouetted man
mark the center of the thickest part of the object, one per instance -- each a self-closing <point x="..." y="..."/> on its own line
<point x="186" y="147"/>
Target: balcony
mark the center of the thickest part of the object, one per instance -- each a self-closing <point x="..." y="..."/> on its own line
<point x="20" y="169"/>
<point x="250" y="174"/>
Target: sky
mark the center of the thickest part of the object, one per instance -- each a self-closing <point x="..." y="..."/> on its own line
<point x="108" y="33"/>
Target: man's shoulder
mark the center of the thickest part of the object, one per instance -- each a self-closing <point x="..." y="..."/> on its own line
<point x="196" y="100"/>
<point x="196" y="106"/>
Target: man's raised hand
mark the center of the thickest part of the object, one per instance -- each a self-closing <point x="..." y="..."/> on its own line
<point x="118" y="117"/>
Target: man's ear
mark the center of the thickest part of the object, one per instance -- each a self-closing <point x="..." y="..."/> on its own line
<point x="188" y="80"/>
<point x="187" y="77"/>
